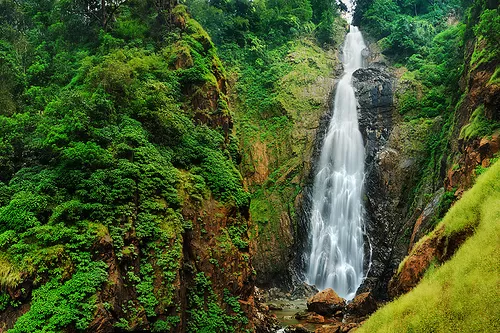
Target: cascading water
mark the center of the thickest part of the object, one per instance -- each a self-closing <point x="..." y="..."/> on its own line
<point x="336" y="258"/>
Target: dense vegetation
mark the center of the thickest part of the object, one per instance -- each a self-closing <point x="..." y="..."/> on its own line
<point x="122" y="201"/>
<point x="460" y="295"/>
<point x="427" y="41"/>
<point x="440" y="51"/>
<point x="113" y="122"/>
<point x="280" y="55"/>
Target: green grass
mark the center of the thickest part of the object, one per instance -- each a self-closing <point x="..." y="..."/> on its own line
<point x="461" y="295"/>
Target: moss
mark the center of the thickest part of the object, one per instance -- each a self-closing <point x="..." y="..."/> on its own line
<point x="10" y="276"/>
<point x="479" y="126"/>
<point x="450" y="298"/>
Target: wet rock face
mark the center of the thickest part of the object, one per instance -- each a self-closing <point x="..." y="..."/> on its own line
<point x="374" y="92"/>
<point x="424" y="222"/>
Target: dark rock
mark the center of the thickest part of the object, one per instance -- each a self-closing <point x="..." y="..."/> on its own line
<point x="302" y="315"/>
<point x="326" y="302"/>
<point x="304" y="290"/>
<point x="387" y="196"/>
<point x="310" y="317"/>
<point x="315" y="318"/>
<point x="362" y="305"/>
<point x="424" y="222"/>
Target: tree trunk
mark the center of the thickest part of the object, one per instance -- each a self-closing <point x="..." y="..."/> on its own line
<point x="103" y="12"/>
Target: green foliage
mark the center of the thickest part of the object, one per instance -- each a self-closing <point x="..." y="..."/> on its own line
<point x="102" y="142"/>
<point x="9" y="274"/>
<point x="404" y="28"/>
<point x="166" y="325"/>
<point x="57" y="304"/>
<point x="145" y="290"/>
<point x="431" y="92"/>
<point x="206" y="315"/>
<point x="488" y="35"/>
<point x="449" y="298"/>
<point x="479" y="126"/>
<point x="276" y="21"/>
<point x="224" y="179"/>
<point x="238" y="236"/>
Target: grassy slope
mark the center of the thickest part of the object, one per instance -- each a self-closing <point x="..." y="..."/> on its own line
<point x="462" y="295"/>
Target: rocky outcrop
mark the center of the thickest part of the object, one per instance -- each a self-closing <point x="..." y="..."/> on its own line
<point x="426" y="218"/>
<point x="474" y="153"/>
<point x="362" y="305"/>
<point x="326" y="302"/>
<point x="433" y="250"/>
<point x="395" y="152"/>
<point x="332" y="328"/>
<point x="374" y="91"/>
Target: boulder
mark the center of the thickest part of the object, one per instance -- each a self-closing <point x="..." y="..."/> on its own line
<point x="362" y="305"/>
<point x="333" y="328"/>
<point x="348" y="327"/>
<point x="275" y="307"/>
<point x="304" y="290"/>
<point x="302" y="315"/>
<point x="326" y="302"/>
<point x="315" y="318"/>
<point x="310" y="317"/>
<point x="297" y="329"/>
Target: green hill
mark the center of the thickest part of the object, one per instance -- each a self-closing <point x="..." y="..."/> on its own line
<point x="461" y="295"/>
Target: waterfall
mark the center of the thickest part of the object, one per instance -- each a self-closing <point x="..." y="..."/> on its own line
<point x="336" y="257"/>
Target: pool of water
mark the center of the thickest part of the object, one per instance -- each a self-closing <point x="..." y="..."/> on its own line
<point x="286" y="316"/>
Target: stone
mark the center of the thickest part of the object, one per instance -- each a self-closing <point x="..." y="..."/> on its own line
<point x="333" y="328"/>
<point x="297" y="329"/>
<point x="325" y="303"/>
<point x="304" y="290"/>
<point x="362" y="305"/>
<point x="275" y="307"/>
<point x="339" y="314"/>
<point x="302" y="315"/>
<point x="348" y="328"/>
<point x="310" y="317"/>
<point x="374" y="89"/>
<point x="315" y="318"/>
<point x="424" y="222"/>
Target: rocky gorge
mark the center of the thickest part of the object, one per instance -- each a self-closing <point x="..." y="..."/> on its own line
<point x="157" y="163"/>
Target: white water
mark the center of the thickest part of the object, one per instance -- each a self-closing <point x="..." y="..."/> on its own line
<point x="336" y="258"/>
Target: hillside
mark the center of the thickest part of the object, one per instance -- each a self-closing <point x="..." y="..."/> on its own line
<point x="120" y="200"/>
<point x="461" y="294"/>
